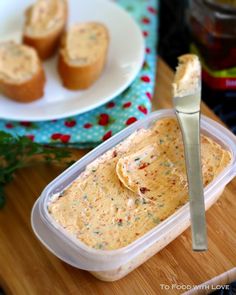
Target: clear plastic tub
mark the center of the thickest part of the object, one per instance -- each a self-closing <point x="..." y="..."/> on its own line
<point x="115" y="264"/>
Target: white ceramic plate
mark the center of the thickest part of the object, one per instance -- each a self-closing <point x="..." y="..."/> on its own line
<point x="125" y="58"/>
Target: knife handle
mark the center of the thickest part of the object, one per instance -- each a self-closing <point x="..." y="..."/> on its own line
<point x="190" y="128"/>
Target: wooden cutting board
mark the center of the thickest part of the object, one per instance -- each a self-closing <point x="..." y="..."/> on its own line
<point x="27" y="268"/>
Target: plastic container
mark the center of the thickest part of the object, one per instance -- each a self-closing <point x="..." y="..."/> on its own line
<point x="115" y="264"/>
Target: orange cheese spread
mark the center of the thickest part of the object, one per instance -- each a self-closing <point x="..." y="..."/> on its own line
<point x="133" y="187"/>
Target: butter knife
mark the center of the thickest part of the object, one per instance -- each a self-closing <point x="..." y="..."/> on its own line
<point x="187" y="98"/>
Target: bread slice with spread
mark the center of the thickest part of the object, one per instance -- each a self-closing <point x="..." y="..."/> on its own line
<point x="22" y="76"/>
<point x="44" y="24"/>
<point x="83" y="55"/>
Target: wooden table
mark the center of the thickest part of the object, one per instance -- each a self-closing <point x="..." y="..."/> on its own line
<point x="27" y="268"/>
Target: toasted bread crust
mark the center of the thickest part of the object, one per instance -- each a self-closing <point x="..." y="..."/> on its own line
<point x="27" y="91"/>
<point x="46" y="45"/>
<point x="75" y="78"/>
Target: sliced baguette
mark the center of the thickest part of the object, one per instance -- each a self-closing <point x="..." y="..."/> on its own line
<point x="83" y="55"/>
<point x="22" y="76"/>
<point x="44" y="25"/>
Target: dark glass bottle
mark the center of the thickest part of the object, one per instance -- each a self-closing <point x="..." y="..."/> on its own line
<point x="213" y="29"/>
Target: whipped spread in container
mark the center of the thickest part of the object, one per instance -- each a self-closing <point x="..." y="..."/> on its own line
<point x="113" y="261"/>
<point x="133" y="187"/>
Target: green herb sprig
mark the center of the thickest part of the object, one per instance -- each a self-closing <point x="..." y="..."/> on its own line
<point x="19" y="151"/>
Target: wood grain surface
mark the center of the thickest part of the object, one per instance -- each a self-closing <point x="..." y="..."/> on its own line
<point x="27" y="268"/>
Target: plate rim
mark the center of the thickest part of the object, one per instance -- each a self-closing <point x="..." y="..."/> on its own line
<point x="119" y="90"/>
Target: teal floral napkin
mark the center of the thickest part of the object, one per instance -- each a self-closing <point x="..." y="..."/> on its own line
<point x="91" y="128"/>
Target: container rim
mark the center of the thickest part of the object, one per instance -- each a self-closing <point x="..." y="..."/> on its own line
<point x="209" y="126"/>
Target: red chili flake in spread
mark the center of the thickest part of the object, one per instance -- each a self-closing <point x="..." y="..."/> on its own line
<point x="144" y="165"/>
<point x="114" y="154"/>
<point x="120" y="222"/>
<point x="143" y="190"/>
